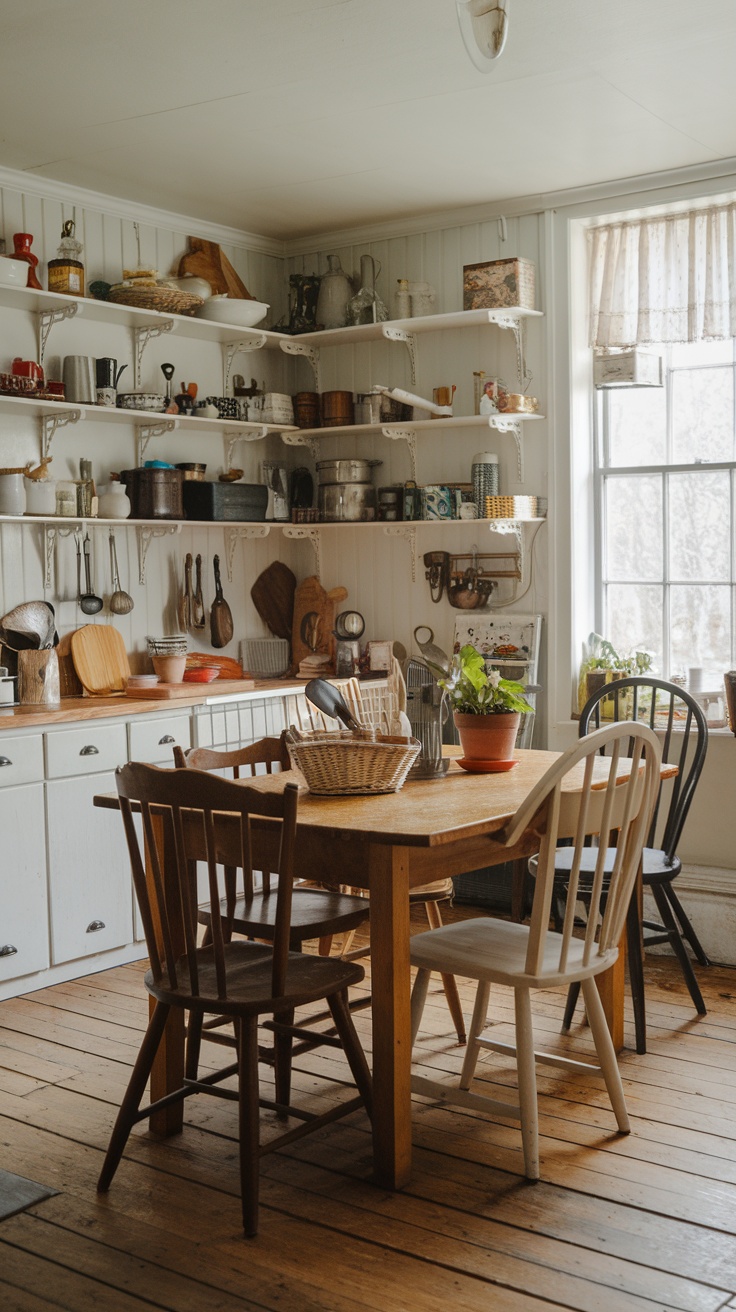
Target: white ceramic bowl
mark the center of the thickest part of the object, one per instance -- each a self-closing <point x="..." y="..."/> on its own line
<point x="13" y="273"/>
<point x="155" y="401"/>
<point x="245" y="314"/>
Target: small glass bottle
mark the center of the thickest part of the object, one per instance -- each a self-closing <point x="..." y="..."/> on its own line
<point x="402" y="299"/>
<point x="66" y="272"/>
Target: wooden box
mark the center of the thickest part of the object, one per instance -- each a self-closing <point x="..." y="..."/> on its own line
<point x="499" y="284"/>
<point x="225" y="501"/>
<point x="627" y="369"/>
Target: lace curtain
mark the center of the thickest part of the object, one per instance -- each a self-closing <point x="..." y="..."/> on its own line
<point x="666" y="279"/>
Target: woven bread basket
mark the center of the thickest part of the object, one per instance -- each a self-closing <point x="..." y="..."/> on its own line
<point x="511" y="507"/>
<point x="335" y="764"/>
<point x="167" y="300"/>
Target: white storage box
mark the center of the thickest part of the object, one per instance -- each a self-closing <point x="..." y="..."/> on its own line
<point x="628" y="369"/>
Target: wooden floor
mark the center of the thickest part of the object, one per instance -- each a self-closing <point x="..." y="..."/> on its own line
<point x="640" y="1223"/>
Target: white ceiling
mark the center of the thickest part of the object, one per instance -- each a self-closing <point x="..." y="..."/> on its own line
<point x="287" y="117"/>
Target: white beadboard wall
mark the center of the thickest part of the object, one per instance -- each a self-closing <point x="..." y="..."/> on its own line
<point x="374" y="567"/>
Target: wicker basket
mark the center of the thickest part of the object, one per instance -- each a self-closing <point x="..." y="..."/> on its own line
<point x="166" y="300"/>
<point x="346" y="763"/>
<point x="511" y="507"/>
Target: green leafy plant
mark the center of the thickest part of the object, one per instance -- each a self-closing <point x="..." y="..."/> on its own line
<point x="473" y="691"/>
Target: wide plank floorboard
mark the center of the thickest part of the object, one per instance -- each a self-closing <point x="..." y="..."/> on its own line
<point x="638" y="1223"/>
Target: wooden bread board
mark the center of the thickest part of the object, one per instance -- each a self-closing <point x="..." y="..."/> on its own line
<point x="100" y="659"/>
<point x="273" y="597"/>
<point x="167" y="691"/>
<point x="311" y="598"/>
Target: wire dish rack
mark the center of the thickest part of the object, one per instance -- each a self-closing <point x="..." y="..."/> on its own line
<point x="365" y="762"/>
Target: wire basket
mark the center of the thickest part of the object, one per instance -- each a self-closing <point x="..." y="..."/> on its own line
<point x="348" y="763"/>
<point x="164" y="299"/>
<point x="266" y="658"/>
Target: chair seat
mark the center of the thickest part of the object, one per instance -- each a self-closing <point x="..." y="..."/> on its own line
<point x="655" y="865"/>
<point x="314" y="914"/>
<point x="248" y="968"/>
<point x="495" y="950"/>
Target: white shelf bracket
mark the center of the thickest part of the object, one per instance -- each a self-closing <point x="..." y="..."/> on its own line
<point x="51" y="534"/>
<point x="141" y="338"/>
<point x="409" y="436"/>
<point x="409" y="533"/>
<point x="310" y="353"/>
<point x="46" y="321"/>
<point x="144" y="433"/>
<point x="514" y="428"/>
<point x="516" y="326"/>
<point x="297" y="439"/>
<point x="300" y="531"/>
<point x="410" y="342"/>
<point x="253" y="343"/>
<point x="49" y="425"/>
<point x="145" y="538"/>
<point x="254" y="434"/>
<point x="235" y="535"/>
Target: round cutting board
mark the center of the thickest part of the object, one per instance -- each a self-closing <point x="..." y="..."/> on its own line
<point x="100" y="659"/>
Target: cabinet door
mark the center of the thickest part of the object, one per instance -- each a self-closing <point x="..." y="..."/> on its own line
<point x="89" y="872"/>
<point x="24" y="922"/>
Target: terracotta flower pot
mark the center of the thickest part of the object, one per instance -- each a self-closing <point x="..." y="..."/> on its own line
<point x="488" y="737"/>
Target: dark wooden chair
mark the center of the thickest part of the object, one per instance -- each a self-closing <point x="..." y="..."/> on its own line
<point x="316" y="913"/>
<point x="681" y="725"/>
<point x="190" y="816"/>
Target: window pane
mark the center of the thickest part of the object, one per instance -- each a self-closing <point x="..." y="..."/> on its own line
<point x="637" y="425"/>
<point x="702" y="415"/>
<point x="634" y="528"/>
<point x="692" y="353"/>
<point x="634" y="620"/>
<point x="700" y="629"/>
<point x="700" y="532"/>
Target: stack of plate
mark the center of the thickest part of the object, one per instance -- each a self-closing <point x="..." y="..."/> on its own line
<point x="141" y="681"/>
<point x="177" y="644"/>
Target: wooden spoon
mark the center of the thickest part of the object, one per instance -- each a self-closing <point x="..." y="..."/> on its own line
<point x="199" y="620"/>
<point x="221" y="620"/>
<point x="185" y="600"/>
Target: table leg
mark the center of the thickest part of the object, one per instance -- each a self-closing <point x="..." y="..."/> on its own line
<point x="390" y="987"/>
<point x="167" y="1072"/>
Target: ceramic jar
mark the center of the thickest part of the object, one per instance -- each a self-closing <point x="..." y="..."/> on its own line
<point x="40" y="496"/>
<point x="12" y="494"/>
<point x="113" y="501"/>
<point x="335" y="291"/>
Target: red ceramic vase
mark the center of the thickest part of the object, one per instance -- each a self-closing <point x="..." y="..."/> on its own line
<point x="488" y="737"/>
<point x="22" y="251"/>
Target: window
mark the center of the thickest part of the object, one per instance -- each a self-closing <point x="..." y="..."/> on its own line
<point x="665" y="489"/>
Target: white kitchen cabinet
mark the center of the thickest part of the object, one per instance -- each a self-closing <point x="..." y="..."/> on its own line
<point x="90" y="891"/>
<point x="24" y="933"/>
<point x="153" y="739"/>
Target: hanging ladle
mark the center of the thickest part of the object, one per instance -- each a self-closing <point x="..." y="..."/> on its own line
<point x="121" y="603"/>
<point x="89" y="602"/>
<point x="326" y="697"/>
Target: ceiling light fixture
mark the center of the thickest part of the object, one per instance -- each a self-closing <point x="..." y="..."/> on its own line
<point x="484" y="26"/>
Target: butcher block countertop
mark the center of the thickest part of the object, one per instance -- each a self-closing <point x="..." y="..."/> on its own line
<point x="79" y="709"/>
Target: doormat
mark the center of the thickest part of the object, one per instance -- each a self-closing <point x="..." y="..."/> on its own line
<point x="17" y="1193"/>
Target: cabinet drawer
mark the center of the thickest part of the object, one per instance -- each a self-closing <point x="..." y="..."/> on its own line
<point x="153" y="740"/>
<point x="85" y="751"/>
<point x="21" y="760"/>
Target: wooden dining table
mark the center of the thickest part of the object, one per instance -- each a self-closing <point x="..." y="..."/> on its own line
<point x="388" y="844"/>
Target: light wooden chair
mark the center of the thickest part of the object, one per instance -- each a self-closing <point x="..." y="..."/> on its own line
<point x="240" y="979"/>
<point x="316" y="913"/>
<point x="527" y="957"/>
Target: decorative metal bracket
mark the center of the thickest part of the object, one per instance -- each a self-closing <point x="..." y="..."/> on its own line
<point x="253" y="343"/>
<point x="410" y="342"/>
<point x="300" y="439"/>
<point x="310" y="353"/>
<point x="144" y="433"/>
<point x="145" y="538"/>
<point x="49" y="425"/>
<point x="409" y="533"/>
<point x="234" y="535"/>
<point x="46" y="321"/>
<point x="409" y="436"/>
<point x="516" y="326"/>
<point x="513" y="427"/>
<point x="254" y="434"/>
<point x="141" y="338"/>
<point x="313" y="535"/>
<point x="516" y="527"/>
<point x="51" y="532"/>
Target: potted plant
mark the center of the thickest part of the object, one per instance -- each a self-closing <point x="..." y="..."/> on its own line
<point x="602" y="664"/>
<point x="486" y="708"/>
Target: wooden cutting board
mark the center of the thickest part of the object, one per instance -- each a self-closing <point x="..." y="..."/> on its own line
<point x="100" y="659"/>
<point x="205" y="259"/>
<point x="273" y="597"/>
<point x="69" y="683"/>
<point x="167" y="691"/>
<point x="311" y="599"/>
